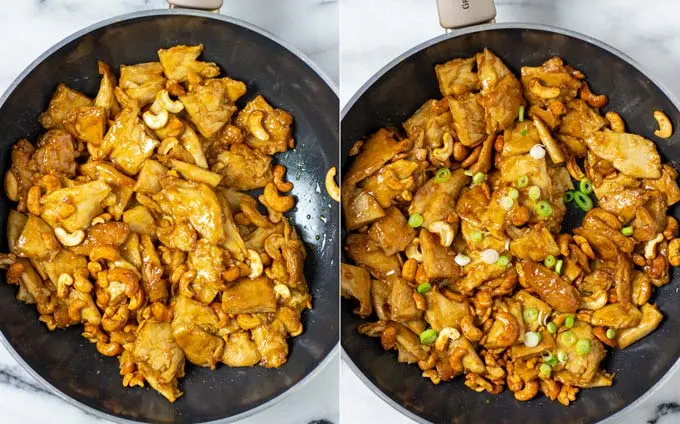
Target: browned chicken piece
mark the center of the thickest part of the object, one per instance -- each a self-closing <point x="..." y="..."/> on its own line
<point x="379" y="149"/>
<point x="552" y="73"/>
<point x="240" y="350"/>
<point x="106" y="97"/>
<point x="365" y="252"/>
<point x="233" y="241"/>
<point x="456" y="77"/>
<point x="431" y="121"/>
<point x="73" y="208"/>
<point x="408" y="345"/>
<point x="380" y="295"/>
<point x="87" y="124"/>
<point x="477" y="272"/>
<point x="471" y="204"/>
<point x="128" y="143"/>
<point x="580" y="369"/>
<point x="270" y="340"/>
<point x="210" y="104"/>
<point x="520" y="138"/>
<point x="438" y="260"/>
<point x="64" y="262"/>
<point x="159" y="358"/>
<point x="362" y="208"/>
<point x="605" y="240"/>
<point x="392" y="233"/>
<point x="140" y="220"/>
<point x="667" y="184"/>
<point x="435" y="200"/>
<point x="617" y="316"/>
<point x="390" y="181"/>
<point x="535" y="243"/>
<point x="16" y="221"/>
<point x="267" y="129"/>
<point x="402" y="306"/>
<point x="355" y="282"/>
<point x="651" y="317"/>
<point x="193" y="327"/>
<point x="142" y="82"/>
<point x="36" y="240"/>
<point x="153" y="283"/>
<point x="105" y="234"/>
<point x="550" y="287"/>
<point x="581" y="120"/>
<point x="501" y="94"/>
<point x="149" y="177"/>
<point x="62" y="103"/>
<point x="192" y="143"/>
<point x="244" y="168"/>
<point x="631" y="154"/>
<point x="206" y="262"/>
<point x="249" y="296"/>
<point x="650" y="218"/>
<point x="179" y="61"/>
<point x="468" y="119"/>
<point x="55" y="153"/>
<point x="121" y="185"/>
<point x="21" y="172"/>
<point x="624" y="203"/>
<point x="443" y="312"/>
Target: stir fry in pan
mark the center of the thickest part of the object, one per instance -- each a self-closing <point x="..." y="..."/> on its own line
<point x="459" y="259"/>
<point x="133" y="219"/>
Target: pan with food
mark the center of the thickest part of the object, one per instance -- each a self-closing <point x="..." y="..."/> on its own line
<point x="157" y="210"/>
<point x="509" y="226"/>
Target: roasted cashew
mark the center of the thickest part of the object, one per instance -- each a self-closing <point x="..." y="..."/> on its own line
<point x="433" y="375"/>
<point x="127" y="278"/>
<point x="161" y="312"/>
<point x="428" y="363"/>
<point x="109" y="349"/>
<point x="109" y="253"/>
<point x="64" y="282"/>
<point x="665" y="127"/>
<point x="11" y="186"/>
<point x="116" y="320"/>
<point x="671" y="230"/>
<point x="674" y="252"/>
<point x="511" y="329"/>
<point x="444" y="230"/>
<point x="467" y="326"/>
<point x="247" y="321"/>
<point x="101" y="219"/>
<point x="74" y="309"/>
<point x="231" y="274"/>
<point x="273" y="200"/>
<point x="590" y="98"/>
<point x="650" y="246"/>
<point x="282" y="292"/>
<point x="540" y="90"/>
<point x="81" y="281"/>
<point x="446" y="334"/>
<point x="574" y="169"/>
<point x="528" y="392"/>
<point x="595" y="301"/>
<point x="615" y="122"/>
<point x="442" y="154"/>
<point x="279" y="173"/>
<point x="331" y="186"/>
<point x="167" y="145"/>
<point x="155" y="122"/>
<point x="273" y="245"/>
<point x="33" y="200"/>
<point x="460" y="151"/>
<point x="249" y="209"/>
<point x="550" y="388"/>
<point x="408" y="270"/>
<point x="136" y="301"/>
<point x="69" y="239"/>
<point x="255" y="263"/>
<point x="164" y="101"/>
<point x="254" y="123"/>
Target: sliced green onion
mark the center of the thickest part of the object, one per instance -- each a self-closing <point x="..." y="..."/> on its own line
<point x="523" y="132"/>
<point x="503" y="261"/>
<point x="544" y="209"/>
<point x="568" y="196"/>
<point x="532" y="339"/>
<point x="544" y="370"/>
<point x="562" y="356"/>
<point x="428" y="336"/>
<point x="523" y="181"/>
<point x="424" y="288"/>
<point x="569" y="321"/>
<point x="534" y="193"/>
<point x="506" y="202"/>
<point x="479" y="178"/>
<point x="611" y="333"/>
<point x="583" y="346"/>
<point x="550" y="359"/>
<point x="468" y="173"/>
<point x="552" y="328"/>
<point x="477" y="236"/>
<point x="513" y="194"/>
<point x="568" y="338"/>
<point x="583" y="201"/>
<point x="585" y="186"/>
<point x="442" y="175"/>
<point x="627" y="231"/>
<point x="520" y="114"/>
<point x="550" y="261"/>
<point x="558" y="266"/>
<point x="530" y="315"/>
<point x="415" y="220"/>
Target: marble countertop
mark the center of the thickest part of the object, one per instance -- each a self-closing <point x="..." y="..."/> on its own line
<point x="310" y="25"/>
<point x="375" y="32"/>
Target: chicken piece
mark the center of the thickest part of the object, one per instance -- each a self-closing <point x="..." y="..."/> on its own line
<point x="159" y="358"/>
<point x="355" y="282"/>
<point x="240" y="351"/>
<point x="121" y="185"/>
<point x="55" y="153"/>
<point x="430" y="122"/>
<point x="206" y="262"/>
<point x="631" y="154"/>
<point x="379" y="149"/>
<point x="73" y="208"/>
<point x="364" y="252"/>
<point x="535" y="244"/>
<point x="36" y="240"/>
<point x="140" y="220"/>
<point x="179" y="61"/>
<point x="526" y="301"/>
<point x="196" y="203"/>
<point x="180" y="236"/>
<point x="456" y="77"/>
<point x="580" y="369"/>
<point x="651" y="317"/>
<point x="155" y="287"/>
<point x="243" y="168"/>
<point x="520" y="138"/>
<point x="623" y="203"/>
<point x="392" y="233"/>
<point x="650" y="218"/>
<point x="581" y="120"/>
<point x="501" y="94"/>
<point x="149" y="178"/>
<point x="477" y="272"/>
<point x="210" y="104"/>
<point x="249" y="296"/>
<point x="390" y="181"/>
<point x="667" y="184"/>
<point x="617" y="316"/>
<point x="63" y="101"/>
<point x="468" y="119"/>
<point x="408" y="345"/>
<point x="193" y="328"/>
<point x="438" y="260"/>
<point x="22" y="170"/>
<point x="104" y="234"/>
<point x="471" y="204"/>
<point x="192" y="143"/>
<point x="87" y="124"/>
<point x="64" y="262"/>
<point x="521" y="351"/>
<point x="259" y="115"/>
<point x="550" y="287"/>
<point x="552" y="73"/>
<point x="233" y="241"/>
<point x="605" y="240"/>
<point x="270" y="340"/>
<point x="194" y="173"/>
<point x="443" y="312"/>
<point x="16" y="221"/>
<point x="402" y="306"/>
<point x="361" y="209"/>
<point x="106" y="97"/>
<point x="142" y="81"/>
<point x="436" y="200"/>
<point x="613" y="184"/>
<point x="128" y="142"/>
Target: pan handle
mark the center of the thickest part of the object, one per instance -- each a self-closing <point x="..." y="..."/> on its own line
<point x="211" y="5"/>
<point x="462" y="13"/>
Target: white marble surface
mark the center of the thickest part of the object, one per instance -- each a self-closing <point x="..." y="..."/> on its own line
<point x="29" y="27"/>
<point x="373" y="32"/>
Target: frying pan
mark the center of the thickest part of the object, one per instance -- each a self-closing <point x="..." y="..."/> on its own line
<point x="396" y="92"/>
<point x="63" y="360"/>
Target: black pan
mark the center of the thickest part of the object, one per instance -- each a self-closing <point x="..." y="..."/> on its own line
<point x="390" y="97"/>
<point x="67" y="363"/>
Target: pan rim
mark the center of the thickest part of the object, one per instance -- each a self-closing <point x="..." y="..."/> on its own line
<point x="332" y="353"/>
<point x="490" y="27"/>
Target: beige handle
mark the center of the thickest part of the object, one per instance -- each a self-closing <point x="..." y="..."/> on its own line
<point x="212" y="5"/>
<point x="462" y="13"/>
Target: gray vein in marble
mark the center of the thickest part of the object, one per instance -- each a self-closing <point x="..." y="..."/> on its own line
<point x="664" y="409"/>
<point x="9" y="376"/>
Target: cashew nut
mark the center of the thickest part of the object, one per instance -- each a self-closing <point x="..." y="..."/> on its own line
<point x="650" y="246"/>
<point x="540" y="90"/>
<point x="279" y="172"/>
<point x="615" y="122"/>
<point x="63" y="283"/>
<point x="255" y="263"/>
<point x="249" y="209"/>
<point x="331" y="186"/>
<point x="469" y="330"/>
<point x="155" y="122"/>
<point x="590" y="98"/>
<point x="163" y="98"/>
<point x="271" y="198"/>
<point x="231" y="274"/>
<point x="109" y="349"/>
<point x="575" y="170"/>
<point x="413" y="250"/>
<point x="101" y="219"/>
<point x="671" y="230"/>
<point x="273" y="245"/>
<point x="446" y="334"/>
<point x="460" y="151"/>
<point x="282" y="291"/>
<point x="11" y="186"/>
<point x="33" y="200"/>
<point x="665" y="127"/>
<point x="167" y="145"/>
<point x="444" y="152"/>
<point x="69" y="239"/>
<point x="528" y="392"/>
<point x="444" y="230"/>
<point x="408" y="270"/>
<point x="109" y="253"/>
<point x="674" y="252"/>
<point x="511" y="333"/>
<point x="255" y="127"/>
<point x="115" y="320"/>
<point x="595" y="301"/>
